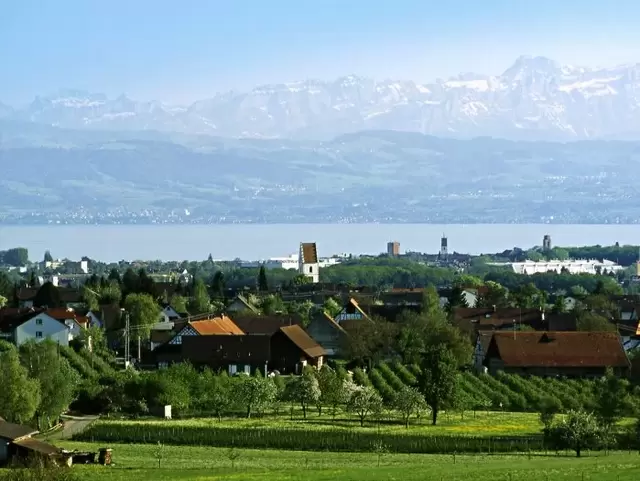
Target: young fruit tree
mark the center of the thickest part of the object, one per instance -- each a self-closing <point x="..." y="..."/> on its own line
<point x="364" y="400"/>
<point x="577" y="431"/>
<point x="306" y="391"/>
<point x="409" y="401"/>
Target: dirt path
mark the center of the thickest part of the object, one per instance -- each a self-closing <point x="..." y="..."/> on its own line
<point x="72" y="425"/>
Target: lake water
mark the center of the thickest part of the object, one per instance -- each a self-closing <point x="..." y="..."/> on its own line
<point x="254" y="242"/>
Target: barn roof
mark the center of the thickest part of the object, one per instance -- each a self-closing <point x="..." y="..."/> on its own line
<point x="558" y="349"/>
<point x="305" y="343"/>
<point x="217" y="325"/>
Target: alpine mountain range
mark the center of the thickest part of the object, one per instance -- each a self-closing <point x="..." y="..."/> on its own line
<point x="534" y="99"/>
<point x="539" y="143"/>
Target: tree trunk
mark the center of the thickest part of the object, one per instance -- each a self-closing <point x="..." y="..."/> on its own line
<point x="434" y="416"/>
<point x="139" y="348"/>
<point x="249" y="411"/>
<point x="578" y="451"/>
<point x="304" y="411"/>
<point x="406" y="422"/>
<point x="361" y="421"/>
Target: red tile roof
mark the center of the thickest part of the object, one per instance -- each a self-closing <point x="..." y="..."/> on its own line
<point x="217" y="325"/>
<point x="558" y="349"/>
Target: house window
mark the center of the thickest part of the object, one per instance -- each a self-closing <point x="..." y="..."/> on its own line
<point x="233" y="369"/>
<point x="39" y="322"/>
<point x="38" y="334"/>
<point x="247" y="369"/>
<point x="310" y="269"/>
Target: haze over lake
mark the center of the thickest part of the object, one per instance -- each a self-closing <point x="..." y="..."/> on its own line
<point x="253" y="242"/>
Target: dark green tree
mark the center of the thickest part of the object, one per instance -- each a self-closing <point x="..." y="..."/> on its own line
<point x="263" y="284"/>
<point x="613" y="399"/>
<point x="147" y="284"/>
<point x="218" y="285"/>
<point x="33" y="281"/>
<point x="200" y="301"/>
<point x="114" y="275"/>
<point x="47" y="256"/>
<point x="438" y="379"/>
<point x="48" y="295"/>
<point x="456" y="298"/>
<point x="130" y="282"/>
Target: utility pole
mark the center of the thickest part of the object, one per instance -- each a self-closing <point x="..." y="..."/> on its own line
<point x="127" y="346"/>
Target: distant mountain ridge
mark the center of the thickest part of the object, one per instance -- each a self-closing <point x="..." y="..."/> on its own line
<point x="534" y="99"/>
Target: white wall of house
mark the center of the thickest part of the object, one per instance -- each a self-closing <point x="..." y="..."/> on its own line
<point x="41" y="327"/>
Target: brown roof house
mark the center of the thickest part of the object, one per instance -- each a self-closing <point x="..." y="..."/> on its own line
<point x="17" y="443"/>
<point x="287" y="350"/>
<point x="573" y="354"/>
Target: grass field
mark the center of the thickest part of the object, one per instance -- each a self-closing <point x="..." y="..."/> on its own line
<point x="481" y="423"/>
<point x="138" y="462"/>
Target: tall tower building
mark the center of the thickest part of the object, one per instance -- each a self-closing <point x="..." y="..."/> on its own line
<point x="546" y="243"/>
<point x="444" y="249"/>
<point x="393" y="248"/>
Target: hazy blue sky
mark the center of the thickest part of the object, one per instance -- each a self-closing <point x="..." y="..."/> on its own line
<point x="180" y="50"/>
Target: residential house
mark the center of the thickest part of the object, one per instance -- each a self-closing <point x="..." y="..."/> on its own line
<point x="309" y="262"/>
<point x="58" y="325"/>
<point x="17" y="444"/>
<point x="168" y="313"/>
<point x="207" y="327"/>
<point x="240" y="304"/>
<point x="472" y="320"/>
<point x="288" y="350"/>
<point x="351" y="312"/>
<point x="327" y="332"/>
<point x="572" y="354"/>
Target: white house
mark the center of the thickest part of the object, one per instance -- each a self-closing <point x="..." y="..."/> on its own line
<point x="168" y="313"/>
<point x="570" y="266"/>
<point x="40" y="327"/>
<point x="308" y="261"/>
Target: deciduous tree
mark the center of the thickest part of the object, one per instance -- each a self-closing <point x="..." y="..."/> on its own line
<point x="408" y="402"/>
<point x="58" y="381"/>
<point x="200" y="302"/>
<point x="305" y="390"/>
<point x="20" y="393"/>
<point x="578" y="430"/>
<point x="613" y="399"/>
<point x="438" y="379"/>
<point x="254" y="393"/>
<point x="143" y="313"/>
<point x="363" y="401"/>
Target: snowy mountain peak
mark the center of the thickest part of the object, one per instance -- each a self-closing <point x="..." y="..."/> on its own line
<point x="535" y="98"/>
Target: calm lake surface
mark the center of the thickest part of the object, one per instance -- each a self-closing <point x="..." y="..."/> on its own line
<point x="253" y="242"/>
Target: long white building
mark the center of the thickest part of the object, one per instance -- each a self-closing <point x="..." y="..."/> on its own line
<point x="591" y="266"/>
